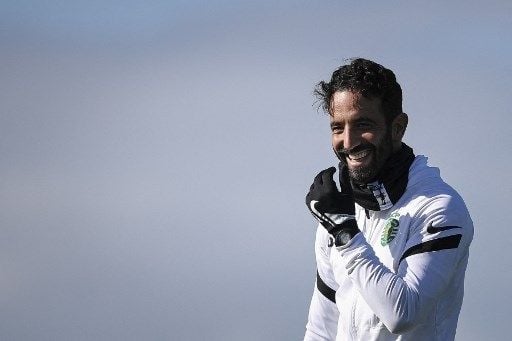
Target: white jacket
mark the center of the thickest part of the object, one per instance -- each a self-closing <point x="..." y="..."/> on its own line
<point x="402" y="278"/>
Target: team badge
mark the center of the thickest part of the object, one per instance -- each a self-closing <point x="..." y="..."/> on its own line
<point x="390" y="230"/>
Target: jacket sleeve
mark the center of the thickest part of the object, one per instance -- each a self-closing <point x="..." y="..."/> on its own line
<point x="404" y="299"/>
<point x="323" y="313"/>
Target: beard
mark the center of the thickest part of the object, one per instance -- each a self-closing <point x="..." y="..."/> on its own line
<point x="380" y="154"/>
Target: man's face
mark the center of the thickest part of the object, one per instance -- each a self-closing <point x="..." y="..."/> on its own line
<point x="360" y="134"/>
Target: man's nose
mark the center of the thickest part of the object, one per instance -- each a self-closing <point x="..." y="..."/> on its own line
<point x="350" y="138"/>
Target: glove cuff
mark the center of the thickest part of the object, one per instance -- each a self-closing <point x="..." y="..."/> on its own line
<point x="335" y="222"/>
<point x="339" y="218"/>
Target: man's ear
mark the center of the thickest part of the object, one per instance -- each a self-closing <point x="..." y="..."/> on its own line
<point x="398" y="127"/>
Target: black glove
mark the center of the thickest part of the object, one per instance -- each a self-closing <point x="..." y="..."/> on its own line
<point x="334" y="209"/>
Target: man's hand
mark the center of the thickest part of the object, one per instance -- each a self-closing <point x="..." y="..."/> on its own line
<point x="334" y="209"/>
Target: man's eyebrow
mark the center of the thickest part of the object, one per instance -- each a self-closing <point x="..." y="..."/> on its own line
<point x="357" y="120"/>
<point x="364" y="120"/>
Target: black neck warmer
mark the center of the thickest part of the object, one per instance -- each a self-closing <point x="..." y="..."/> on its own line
<point x="390" y="183"/>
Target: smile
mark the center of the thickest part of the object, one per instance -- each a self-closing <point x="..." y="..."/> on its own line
<point x="360" y="155"/>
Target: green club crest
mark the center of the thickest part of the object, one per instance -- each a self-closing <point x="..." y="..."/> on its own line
<point x="390" y="230"/>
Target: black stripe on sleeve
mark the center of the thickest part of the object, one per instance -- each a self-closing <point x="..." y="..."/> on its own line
<point x="450" y="242"/>
<point x="329" y="293"/>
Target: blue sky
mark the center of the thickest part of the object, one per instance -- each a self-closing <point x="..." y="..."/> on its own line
<point x="155" y="156"/>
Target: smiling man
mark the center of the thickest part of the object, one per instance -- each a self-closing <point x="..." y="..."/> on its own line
<point x="393" y="241"/>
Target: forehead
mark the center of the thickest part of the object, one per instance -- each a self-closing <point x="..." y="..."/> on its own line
<point x="346" y="105"/>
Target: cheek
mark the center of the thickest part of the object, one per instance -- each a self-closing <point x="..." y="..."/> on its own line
<point x="337" y="141"/>
<point x="370" y="137"/>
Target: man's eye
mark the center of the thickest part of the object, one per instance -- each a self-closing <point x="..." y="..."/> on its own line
<point x="364" y="125"/>
<point x="337" y="130"/>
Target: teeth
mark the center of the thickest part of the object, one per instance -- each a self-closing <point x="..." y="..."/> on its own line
<point x="359" y="155"/>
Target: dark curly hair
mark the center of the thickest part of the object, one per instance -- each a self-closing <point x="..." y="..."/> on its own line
<point x="367" y="78"/>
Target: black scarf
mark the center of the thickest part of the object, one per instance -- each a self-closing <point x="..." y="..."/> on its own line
<point x="390" y="184"/>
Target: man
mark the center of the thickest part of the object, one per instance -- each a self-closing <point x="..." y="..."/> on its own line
<point x="392" y="244"/>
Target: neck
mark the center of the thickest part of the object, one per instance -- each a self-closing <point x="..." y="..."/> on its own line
<point x="389" y="184"/>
